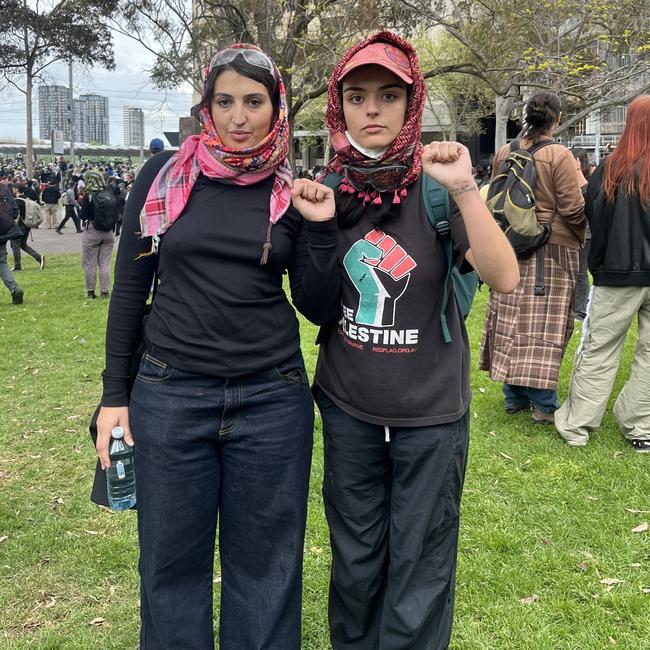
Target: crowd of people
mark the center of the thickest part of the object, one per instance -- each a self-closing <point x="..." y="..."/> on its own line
<point x="219" y="406"/>
<point x="57" y="184"/>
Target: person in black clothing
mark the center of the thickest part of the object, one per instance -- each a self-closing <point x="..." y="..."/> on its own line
<point x="392" y="378"/>
<point x="582" y="284"/>
<point x="21" y="244"/>
<point x="617" y="204"/>
<point x="31" y="192"/>
<point x="120" y="197"/>
<point x="221" y="412"/>
<point x="9" y="231"/>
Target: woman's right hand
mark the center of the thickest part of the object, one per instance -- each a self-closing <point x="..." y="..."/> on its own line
<point x="109" y="417"/>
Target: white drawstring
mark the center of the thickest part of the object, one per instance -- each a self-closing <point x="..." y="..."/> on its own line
<point x="387" y="430"/>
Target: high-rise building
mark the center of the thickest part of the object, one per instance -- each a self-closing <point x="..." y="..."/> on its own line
<point x="133" y="126"/>
<point x="91" y="119"/>
<point x="53" y="111"/>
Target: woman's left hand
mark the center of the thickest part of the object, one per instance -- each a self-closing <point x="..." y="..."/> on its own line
<point x="448" y="163"/>
<point x="314" y="201"/>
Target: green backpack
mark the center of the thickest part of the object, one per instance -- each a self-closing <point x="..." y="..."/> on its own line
<point x="436" y="202"/>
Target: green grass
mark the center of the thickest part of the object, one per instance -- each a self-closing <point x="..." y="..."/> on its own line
<point x="538" y="517"/>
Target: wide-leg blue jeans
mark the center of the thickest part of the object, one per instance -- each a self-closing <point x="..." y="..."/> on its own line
<point x="236" y="449"/>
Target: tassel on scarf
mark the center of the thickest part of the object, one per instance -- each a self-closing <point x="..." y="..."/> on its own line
<point x="396" y="199"/>
<point x="267" y="246"/>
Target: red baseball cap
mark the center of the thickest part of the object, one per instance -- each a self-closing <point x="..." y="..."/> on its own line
<point x="383" y="54"/>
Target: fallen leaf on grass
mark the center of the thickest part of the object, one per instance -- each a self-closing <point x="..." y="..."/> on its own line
<point x="481" y="390"/>
<point x="91" y="532"/>
<point x="50" y="603"/>
<point x="71" y="431"/>
<point x="506" y="455"/>
<point x="617" y="454"/>
<point x="638" y="512"/>
<point x="641" y="528"/>
<point x="582" y="566"/>
<point x="58" y="500"/>
<point x="612" y="641"/>
<point x="3" y="538"/>
<point x="529" y="599"/>
<point x="217" y="580"/>
<point x="492" y="433"/>
<point x="592" y="498"/>
<point x="645" y="590"/>
<point x="610" y="582"/>
<point x="4" y="474"/>
<point x="316" y="549"/>
<point x="98" y="621"/>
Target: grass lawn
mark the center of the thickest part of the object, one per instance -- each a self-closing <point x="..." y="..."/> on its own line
<point x="547" y="555"/>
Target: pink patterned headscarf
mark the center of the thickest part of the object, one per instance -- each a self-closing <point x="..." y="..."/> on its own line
<point x="206" y="154"/>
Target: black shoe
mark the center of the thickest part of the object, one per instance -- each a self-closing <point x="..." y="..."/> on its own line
<point x="104" y="294"/>
<point x="517" y="409"/>
<point x="57" y="231"/>
<point x="641" y="446"/>
<point x="17" y="296"/>
<point x="16" y="268"/>
<point x="91" y="295"/>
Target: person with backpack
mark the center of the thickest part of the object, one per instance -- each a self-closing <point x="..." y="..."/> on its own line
<point x="69" y="200"/>
<point x="618" y="210"/>
<point x="392" y="377"/>
<point x="25" y="222"/>
<point x="526" y="332"/>
<point x="99" y="214"/>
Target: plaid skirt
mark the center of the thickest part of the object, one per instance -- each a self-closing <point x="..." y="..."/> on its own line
<point x="524" y="335"/>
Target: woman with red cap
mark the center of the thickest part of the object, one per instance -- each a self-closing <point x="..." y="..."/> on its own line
<point x="220" y="413"/>
<point x="393" y="395"/>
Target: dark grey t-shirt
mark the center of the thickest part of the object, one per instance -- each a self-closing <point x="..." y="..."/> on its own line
<point x="386" y="362"/>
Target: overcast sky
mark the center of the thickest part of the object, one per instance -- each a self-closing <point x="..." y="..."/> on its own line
<point x="127" y="85"/>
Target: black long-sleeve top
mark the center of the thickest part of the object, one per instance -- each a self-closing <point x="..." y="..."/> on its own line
<point x="217" y="311"/>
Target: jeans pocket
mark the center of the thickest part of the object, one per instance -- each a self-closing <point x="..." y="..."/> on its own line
<point x="153" y="370"/>
<point x="292" y="373"/>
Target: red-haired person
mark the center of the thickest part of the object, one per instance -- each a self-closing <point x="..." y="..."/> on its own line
<point x="618" y="210"/>
<point x="393" y="395"/>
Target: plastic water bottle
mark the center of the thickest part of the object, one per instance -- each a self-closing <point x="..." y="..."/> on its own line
<point x="120" y="476"/>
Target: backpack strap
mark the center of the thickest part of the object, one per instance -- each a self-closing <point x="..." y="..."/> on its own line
<point x="436" y="202"/>
<point x="332" y="180"/>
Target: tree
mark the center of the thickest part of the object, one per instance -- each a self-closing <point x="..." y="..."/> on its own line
<point x="304" y="37"/>
<point x="458" y="101"/>
<point x="34" y="38"/>
<point x="593" y="52"/>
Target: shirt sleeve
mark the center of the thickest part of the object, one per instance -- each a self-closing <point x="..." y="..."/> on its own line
<point x="570" y="202"/>
<point x="133" y="279"/>
<point x="313" y="275"/>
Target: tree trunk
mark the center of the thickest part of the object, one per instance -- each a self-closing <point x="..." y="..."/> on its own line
<point x="29" y="153"/>
<point x="503" y="106"/>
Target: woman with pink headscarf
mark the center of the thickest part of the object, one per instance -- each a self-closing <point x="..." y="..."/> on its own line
<point x="221" y="413"/>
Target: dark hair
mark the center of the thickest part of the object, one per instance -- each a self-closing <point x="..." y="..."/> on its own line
<point x="240" y="66"/>
<point x="541" y="112"/>
<point x="582" y="157"/>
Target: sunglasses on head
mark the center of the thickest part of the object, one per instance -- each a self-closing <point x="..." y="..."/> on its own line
<point x="382" y="179"/>
<point x="252" y="57"/>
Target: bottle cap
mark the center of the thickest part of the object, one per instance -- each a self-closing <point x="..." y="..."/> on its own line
<point x="117" y="433"/>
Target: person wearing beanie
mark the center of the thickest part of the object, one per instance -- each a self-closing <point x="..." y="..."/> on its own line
<point x="393" y="394"/>
<point x="221" y="412"/>
<point x="156" y="146"/>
